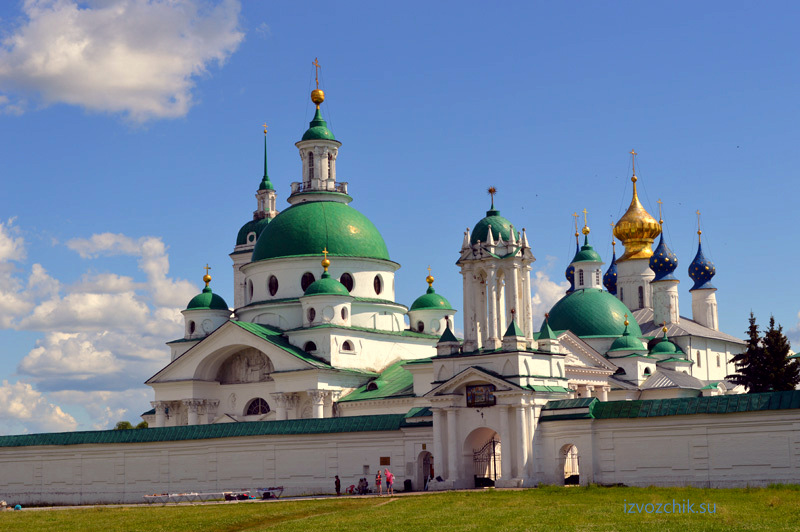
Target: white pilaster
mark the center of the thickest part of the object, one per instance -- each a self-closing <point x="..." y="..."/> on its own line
<point x="505" y="443"/>
<point x="438" y="447"/>
<point x="452" y="445"/>
<point x="493" y="341"/>
<point x="665" y="302"/>
<point x="521" y="451"/>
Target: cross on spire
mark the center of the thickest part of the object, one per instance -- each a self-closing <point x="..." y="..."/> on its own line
<point x="316" y="71"/>
<point x="699" y="232"/>
<point x="660" y="218"/>
<point x="207" y="268"/>
<point x="613" y="242"/>
<point x="492" y="191"/>
<point x="265" y="128"/>
<point x="634" y="154"/>
<point x="575" y="215"/>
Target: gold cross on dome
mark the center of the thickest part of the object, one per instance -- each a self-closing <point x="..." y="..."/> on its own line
<point x="492" y="191"/>
<point x="265" y="128"/>
<point x="613" y="242"/>
<point x="634" y="154"/>
<point x="584" y="218"/>
<point x="660" y="218"/>
<point x="316" y="71"/>
<point x="207" y="268"/>
<point x="325" y="252"/>
<point x="429" y="269"/>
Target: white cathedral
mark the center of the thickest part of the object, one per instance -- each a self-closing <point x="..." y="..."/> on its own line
<point x="317" y="370"/>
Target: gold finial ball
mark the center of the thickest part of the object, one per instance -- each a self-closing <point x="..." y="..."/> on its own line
<point x="317" y="96"/>
<point x="429" y="279"/>
<point x="699" y="232"/>
<point x="206" y="278"/>
<point x="326" y="263"/>
<point x="585" y="230"/>
<point x="627" y="323"/>
<point x="664" y="329"/>
<point x="634" y="179"/>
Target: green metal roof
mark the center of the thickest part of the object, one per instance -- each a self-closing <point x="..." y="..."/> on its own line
<point x="545" y="332"/>
<point x="325" y="285"/>
<point x="448" y="336"/>
<point x="318" y="129"/>
<point x="513" y="330"/>
<point x="665" y="347"/>
<point x="407" y="333"/>
<point x="253" y="226"/>
<point x="275" y="337"/>
<point x="305" y="229"/>
<point x="207" y="300"/>
<point x="586" y="253"/>
<point x="431" y="300"/>
<point x="626" y="342"/>
<point x="394" y="381"/>
<point x="500" y="227"/>
<point x="720" y="404"/>
<point x="592" y="312"/>
<point x="388" y="422"/>
<point x="419" y="411"/>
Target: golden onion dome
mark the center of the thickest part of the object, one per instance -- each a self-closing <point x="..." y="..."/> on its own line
<point x="636" y="229"/>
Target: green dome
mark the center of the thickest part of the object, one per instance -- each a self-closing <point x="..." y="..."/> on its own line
<point x="665" y="347"/>
<point x="592" y="312"/>
<point x="207" y="300"/>
<point x="325" y="285"/>
<point x="318" y="129"/>
<point x="253" y="226"/>
<point x="587" y="253"/>
<point x="626" y="342"/>
<point x="305" y="229"/>
<point x="500" y="227"/>
<point x="431" y="300"/>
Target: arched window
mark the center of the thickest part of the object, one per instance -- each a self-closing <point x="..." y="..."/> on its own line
<point x="372" y="386"/>
<point x="580" y="277"/>
<point x="192" y="327"/>
<point x="330" y="161"/>
<point x="699" y="360"/>
<point x="717" y="360"/>
<point x="347" y="346"/>
<point x="272" y="285"/>
<point x="597" y="277"/>
<point x="309" y="346"/>
<point x="344" y="313"/>
<point x="646" y="372"/>
<point x="312" y="314"/>
<point x="306" y="280"/>
<point x="420" y="326"/>
<point x="257" y="406"/>
<point x="378" y="284"/>
<point x="249" y="290"/>
<point x="621" y="296"/>
<point x="310" y="166"/>
<point x="641" y="297"/>
<point x="347" y="280"/>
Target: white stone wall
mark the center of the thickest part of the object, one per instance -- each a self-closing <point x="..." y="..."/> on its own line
<point x="721" y="450"/>
<point x="124" y="473"/>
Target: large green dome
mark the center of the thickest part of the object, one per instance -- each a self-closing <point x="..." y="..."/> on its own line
<point x="431" y="300"/>
<point x="305" y="229"/>
<point x="500" y="227"/>
<point x="592" y="312"/>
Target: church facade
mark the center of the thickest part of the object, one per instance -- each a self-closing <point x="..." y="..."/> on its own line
<point x="317" y="370"/>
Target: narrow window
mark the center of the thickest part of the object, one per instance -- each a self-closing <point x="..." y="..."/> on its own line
<point x="310" y="166"/>
<point x="330" y="161"/>
<point x="272" y="285"/>
<point x="699" y="360"/>
<point x="312" y="314"/>
<point x="420" y="326"/>
<point x="717" y="360"/>
<point x="580" y="277"/>
<point x="621" y="296"/>
<point x="378" y="284"/>
<point x="191" y="327"/>
<point x="641" y="297"/>
<point x="597" y="277"/>
<point x="306" y="280"/>
<point x="344" y="313"/>
<point x="249" y="290"/>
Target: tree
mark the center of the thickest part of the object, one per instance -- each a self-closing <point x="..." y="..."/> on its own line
<point x="765" y="365"/>
<point x="142" y="425"/>
<point x="123" y="425"/>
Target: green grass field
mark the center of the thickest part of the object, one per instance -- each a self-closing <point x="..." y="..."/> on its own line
<point x="552" y="509"/>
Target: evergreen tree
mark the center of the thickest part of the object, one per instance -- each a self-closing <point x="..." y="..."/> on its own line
<point x="765" y="366"/>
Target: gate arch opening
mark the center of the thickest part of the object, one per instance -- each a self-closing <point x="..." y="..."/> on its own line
<point x="569" y="464"/>
<point x="482" y="449"/>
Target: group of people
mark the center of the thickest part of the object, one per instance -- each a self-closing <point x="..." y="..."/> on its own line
<point x="362" y="488"/>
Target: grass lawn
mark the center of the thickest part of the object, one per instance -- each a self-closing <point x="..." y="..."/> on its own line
<point x="552" y="509"/>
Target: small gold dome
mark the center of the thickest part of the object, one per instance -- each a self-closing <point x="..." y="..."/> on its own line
<point x="317" y="96"/>
<point x="636" y="229"/>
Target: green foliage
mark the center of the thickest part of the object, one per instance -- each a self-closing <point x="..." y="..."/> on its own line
<point x="142" y="425"/>
<point x="123" y="425"/>
<point x="765" y="365"/>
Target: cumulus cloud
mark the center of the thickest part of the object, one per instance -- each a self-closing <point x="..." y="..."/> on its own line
<point x="545" y="294"/>
<point x="137" y="57"/>
<point x="23" y="407"/>
<point x="12" y="246"/>
<point x="68" y="355"/>
<point x="107" y="408"/>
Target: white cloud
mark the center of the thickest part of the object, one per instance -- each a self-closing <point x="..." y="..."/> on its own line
<point x="88" y="311"/>
<point x="106" y="408"/>
<point x="108" y="283"/>
<point x="21" y="404"/>
<point x="138" y="57"/>
<point x="68" y="355"/>
<point x="546" y="293"/>
<point x="11" y="247"/>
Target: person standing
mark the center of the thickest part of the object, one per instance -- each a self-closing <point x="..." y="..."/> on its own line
<point x="378" y="484"/>
<point x="389" y="482"/>
<point x="338" y="484"/>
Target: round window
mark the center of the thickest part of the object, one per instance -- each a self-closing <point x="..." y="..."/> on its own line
<point x="312" y="314"/>
<point x="306" y="280"/>
<point x="272" y="285"/>
<point x="347" y="280"/>
<point x="378" y="284"/>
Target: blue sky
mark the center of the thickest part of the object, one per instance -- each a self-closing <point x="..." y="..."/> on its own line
<point x="131" y="147"/>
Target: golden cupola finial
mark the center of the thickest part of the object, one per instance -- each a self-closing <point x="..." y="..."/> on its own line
<point x="325" y="262"/>
<point x="317" y="95"/>
<point x="429" y="279"/>
<point x="206" y="277"/>
<point x="636" y="229"/>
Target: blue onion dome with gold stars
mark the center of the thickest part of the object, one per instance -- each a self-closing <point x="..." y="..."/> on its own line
<point x="663" y="262"/>
<point x="500" y="226"/>
<point x="430" y="300"/>
<point x="701" y="270"/>
<point x="207" y="300"/>
<point x="610" y="277"/>
<point x="666" y="347"/>
<point x="626" y="342"/>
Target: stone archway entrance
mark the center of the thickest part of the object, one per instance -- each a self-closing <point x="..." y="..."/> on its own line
<point x="569" y="465"/>
<point x="483" y="449"/>
<point x="425" y="470"/>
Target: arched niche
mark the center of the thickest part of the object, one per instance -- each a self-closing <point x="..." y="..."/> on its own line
<point x="247" y="365"/>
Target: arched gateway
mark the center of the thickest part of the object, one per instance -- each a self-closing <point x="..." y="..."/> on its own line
<point x="483" y="456"/>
